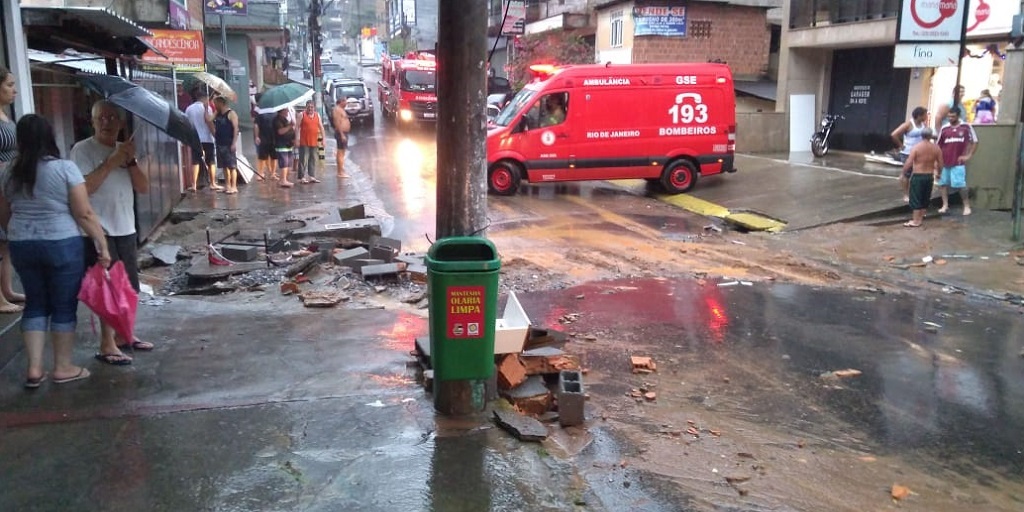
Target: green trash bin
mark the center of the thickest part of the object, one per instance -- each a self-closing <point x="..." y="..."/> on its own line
<point x="462" y="280"/>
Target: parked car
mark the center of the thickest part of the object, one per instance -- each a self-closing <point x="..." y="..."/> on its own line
<point x="330" y="72"/>
<point x="359" y="106"/>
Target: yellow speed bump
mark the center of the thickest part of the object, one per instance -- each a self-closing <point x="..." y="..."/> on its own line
<point x="755" y="222"/>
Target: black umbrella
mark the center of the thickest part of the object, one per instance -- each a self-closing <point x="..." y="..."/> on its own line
<point x="147" y="105"/>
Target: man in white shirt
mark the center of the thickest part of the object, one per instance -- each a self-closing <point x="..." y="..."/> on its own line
<point x="112" y="177"/>
<point x="201" y="116"/>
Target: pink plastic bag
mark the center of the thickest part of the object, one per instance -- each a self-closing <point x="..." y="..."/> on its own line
<point x="110" y="295"/>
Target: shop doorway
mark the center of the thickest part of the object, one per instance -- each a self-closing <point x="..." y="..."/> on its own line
<point x="870" y="94"/>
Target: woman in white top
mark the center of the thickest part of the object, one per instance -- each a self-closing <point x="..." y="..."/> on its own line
<point x="908" y="135"/>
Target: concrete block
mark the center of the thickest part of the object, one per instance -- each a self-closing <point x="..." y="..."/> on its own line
<point x="570" y="398"/>
<point x="346" y="257"/>
<point x="353" y="212"/>
<point x="384" y="248"/>
<point x="240" y="253"/>
<point x="381" y="270"/>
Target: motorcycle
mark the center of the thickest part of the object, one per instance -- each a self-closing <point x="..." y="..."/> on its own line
<point x="819" y="142"/>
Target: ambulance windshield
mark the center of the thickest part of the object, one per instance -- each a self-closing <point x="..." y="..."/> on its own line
<point x="521" y="101"/>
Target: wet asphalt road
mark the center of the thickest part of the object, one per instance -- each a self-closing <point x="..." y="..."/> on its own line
<point x="253" y="403"/>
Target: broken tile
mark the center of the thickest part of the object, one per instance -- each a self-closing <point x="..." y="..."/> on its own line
<point x="530" y="397"/>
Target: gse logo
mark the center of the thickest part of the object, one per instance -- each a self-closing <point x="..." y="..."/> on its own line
<point x="684" y="112"/>
<point x="686" y="80"/>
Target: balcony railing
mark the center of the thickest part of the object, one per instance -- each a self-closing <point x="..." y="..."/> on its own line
<point x="816" y="13"/>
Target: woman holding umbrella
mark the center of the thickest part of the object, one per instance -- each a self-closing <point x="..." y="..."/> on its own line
<point x="42" y="206"/>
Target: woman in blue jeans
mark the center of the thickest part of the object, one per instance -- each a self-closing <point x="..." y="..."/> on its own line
<point x="42" y="205"/>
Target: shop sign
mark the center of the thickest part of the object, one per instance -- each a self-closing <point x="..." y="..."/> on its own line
<point x="926" y="55"/>
<point x="227" y="7"/>
<point x="183" y="48"/>
<point x="177" y="15"/>
<point x="659" y="21"/>
<point x="514" y="22"/>
<point x="930" y="21"/>
<point x="991" y="17"/>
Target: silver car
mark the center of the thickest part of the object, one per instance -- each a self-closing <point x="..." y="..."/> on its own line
<point x="359" y="105"/>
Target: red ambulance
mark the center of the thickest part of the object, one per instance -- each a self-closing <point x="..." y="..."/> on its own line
<point x="667" y="123"/>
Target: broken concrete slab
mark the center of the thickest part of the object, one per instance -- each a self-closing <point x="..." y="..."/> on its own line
<point x="166" y="254"/>
<point x="381" y="270"/>
<point x="321" y="298"/>
<point x="412" y="258"/>
<point x="511" y="371"/>
<point x="524" y="428"/>
<point x="201" y="268"/>
<point x="358" y="263"/>
<point x="352" y="212"/>
<point x="358" y="229"/>
<point x="544" y="352"/>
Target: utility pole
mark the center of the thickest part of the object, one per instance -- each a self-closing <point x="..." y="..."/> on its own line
<point x="461" y="153"/>
<point x="315" y="40"/>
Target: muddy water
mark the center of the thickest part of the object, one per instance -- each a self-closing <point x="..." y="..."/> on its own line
<point x="938" y="406"/>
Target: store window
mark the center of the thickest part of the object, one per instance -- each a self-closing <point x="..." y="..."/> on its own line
<point x="982" y="70"/>
<point x="617" y="28"/>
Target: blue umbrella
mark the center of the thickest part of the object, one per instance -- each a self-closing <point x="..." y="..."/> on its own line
<point x="146" y="105"/>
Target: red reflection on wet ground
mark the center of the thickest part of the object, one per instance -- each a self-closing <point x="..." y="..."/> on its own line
<point x="402" y="334"/>
<point x="611" y="304"/>
<point x="393" y="381"/>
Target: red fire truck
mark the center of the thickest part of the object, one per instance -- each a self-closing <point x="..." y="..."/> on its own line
<point x="407" y="91"/>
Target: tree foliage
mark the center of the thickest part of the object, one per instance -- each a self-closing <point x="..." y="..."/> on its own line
<point x="548" y="48"/>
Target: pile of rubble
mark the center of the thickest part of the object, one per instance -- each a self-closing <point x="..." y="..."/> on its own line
<point x="325" y="257"/>
<point x="539" y="384"/>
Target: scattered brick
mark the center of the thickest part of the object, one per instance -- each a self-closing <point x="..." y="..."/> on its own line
<point x="511" y="371"/>
<point x="288" y="288"/>
<point x="643" y="364"/>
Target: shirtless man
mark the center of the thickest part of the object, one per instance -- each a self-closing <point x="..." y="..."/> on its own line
<point x="342" y="125"/>
<point x="925" y="159"/>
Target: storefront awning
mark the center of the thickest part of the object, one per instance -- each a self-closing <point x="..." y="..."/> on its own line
<point x="100" y="17"/>
<point x="763" y="89"/>
<point x="83" y="63"/>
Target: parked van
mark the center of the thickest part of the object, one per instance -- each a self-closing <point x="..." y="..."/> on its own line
<point x="667" y="123"/>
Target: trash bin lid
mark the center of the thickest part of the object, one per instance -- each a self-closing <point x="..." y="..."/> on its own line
<point x="463" y="254"/>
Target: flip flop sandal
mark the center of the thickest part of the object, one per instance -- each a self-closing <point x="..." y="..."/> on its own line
<point x="137" y="345"/>
<point x="113" y="359"/>
<point x="82" y="374"/>
<point x="35" y="383"/>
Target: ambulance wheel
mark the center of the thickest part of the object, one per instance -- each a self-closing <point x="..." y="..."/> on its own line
<point x="503" y="178"/>
<point x="679" y="176"/>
